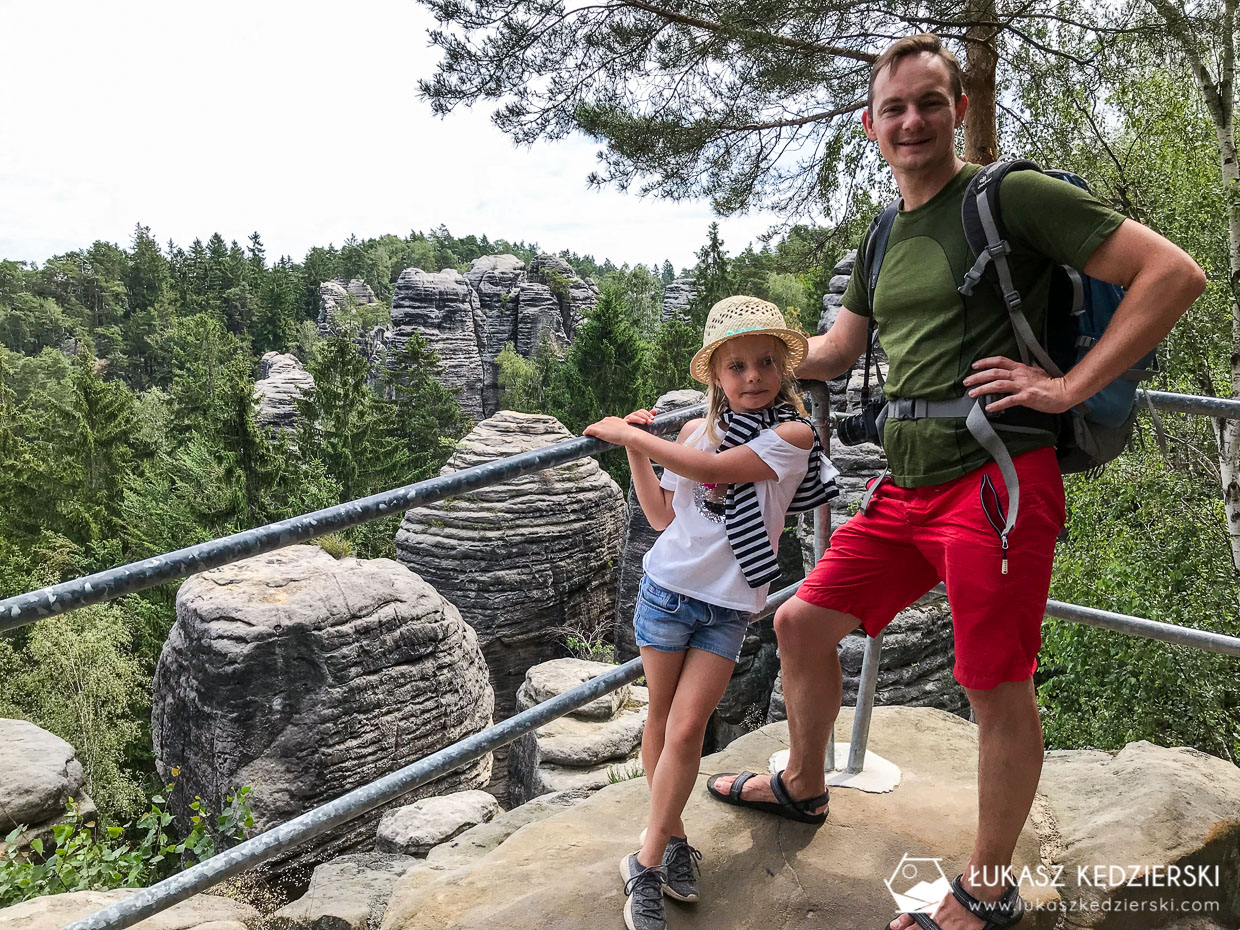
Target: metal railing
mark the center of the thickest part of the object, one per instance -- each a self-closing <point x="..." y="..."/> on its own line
<point x="26" y="608"/>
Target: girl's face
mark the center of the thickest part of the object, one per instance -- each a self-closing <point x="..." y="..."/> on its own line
<point x="749" y="370"/>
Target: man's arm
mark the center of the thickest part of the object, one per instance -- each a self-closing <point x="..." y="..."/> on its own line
<point x="1162" y="282"/>
<point x="833" y="353"/>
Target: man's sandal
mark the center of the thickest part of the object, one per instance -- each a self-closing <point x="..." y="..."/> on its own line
<point x="1005" y="912"/>
<point x="783" y="806"/>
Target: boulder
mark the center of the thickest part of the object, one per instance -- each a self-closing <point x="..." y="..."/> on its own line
<point x="39" y="773"/>
<point x="304" y="677"/>
<point x="444" y="310"/>
<point x="551" y="679"/>
<point x="201" y="912"/>
<point x="348" y="893"/>
<point x="581" y="751"/>
<point x="1142" y="807"/>
<point x="527" y="561"/>
<point x="282" y="383"/>
<point x="677" y="297"/>
<point x="639" y="536"/>
<point x="757" y="870"/>
<point x="415" y="829"/>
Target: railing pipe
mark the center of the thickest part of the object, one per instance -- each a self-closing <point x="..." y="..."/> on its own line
<point x="820" y="414"/>
<point x="1149" y="629"/>
<point x="137" y="576"/>
<point x="1138" y="626"/>
<point x="1193" y="403"/>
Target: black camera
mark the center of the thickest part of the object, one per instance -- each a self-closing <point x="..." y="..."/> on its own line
<point x="862" y="427"/>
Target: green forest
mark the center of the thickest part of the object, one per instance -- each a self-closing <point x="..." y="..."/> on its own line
<point x="127" y="422"/>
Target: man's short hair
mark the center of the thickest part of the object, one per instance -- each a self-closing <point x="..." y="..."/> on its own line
<point x="915" y="45"/>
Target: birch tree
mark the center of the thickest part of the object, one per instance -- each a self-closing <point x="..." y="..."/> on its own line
<point x="1205" y="34"/>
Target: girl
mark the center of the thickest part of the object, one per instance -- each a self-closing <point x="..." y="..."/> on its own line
<point x="728" y="482"/>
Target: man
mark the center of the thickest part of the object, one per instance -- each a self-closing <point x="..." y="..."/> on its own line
<point x="929" y="521"/>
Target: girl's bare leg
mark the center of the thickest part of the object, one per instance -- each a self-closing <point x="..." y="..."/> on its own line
<point x="662" y="674"/>
<point x="703" y="678"/>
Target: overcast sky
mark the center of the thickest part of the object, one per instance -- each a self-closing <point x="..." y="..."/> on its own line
<point x="297" y="119"/>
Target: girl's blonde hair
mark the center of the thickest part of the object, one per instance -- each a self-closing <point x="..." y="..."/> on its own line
<point x="717" y="401"/>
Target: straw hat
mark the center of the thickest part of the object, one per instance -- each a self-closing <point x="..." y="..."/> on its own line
<point x="745" y="316"/>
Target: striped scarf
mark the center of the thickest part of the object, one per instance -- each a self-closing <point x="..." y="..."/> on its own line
<point x="743" y="514"/>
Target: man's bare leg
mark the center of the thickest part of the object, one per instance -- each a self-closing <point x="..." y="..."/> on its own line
<point x="1009" y="764"/>
<point x="813" y="686"/>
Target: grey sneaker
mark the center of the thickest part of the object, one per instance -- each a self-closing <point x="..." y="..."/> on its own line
<point x="680" y="861"/>
<point x="643" y="887"/>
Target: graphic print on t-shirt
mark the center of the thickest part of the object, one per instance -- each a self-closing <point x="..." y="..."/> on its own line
<point x="710" y="499"/>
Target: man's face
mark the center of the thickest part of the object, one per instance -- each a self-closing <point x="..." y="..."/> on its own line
<point x="914" y="115"/>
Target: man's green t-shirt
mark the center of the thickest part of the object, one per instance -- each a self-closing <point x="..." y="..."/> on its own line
<point x="932" y="334"/>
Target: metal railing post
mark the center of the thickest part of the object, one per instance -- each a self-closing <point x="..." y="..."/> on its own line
<point x="820" y="416"/>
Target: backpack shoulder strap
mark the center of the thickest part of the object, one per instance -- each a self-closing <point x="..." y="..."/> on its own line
<point x="876" y="246"/>
<point x="982" y="219"/>
<point x="872" y="261"/>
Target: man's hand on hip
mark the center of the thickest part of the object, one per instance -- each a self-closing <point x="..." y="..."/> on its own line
<point x="1025" y="386"/>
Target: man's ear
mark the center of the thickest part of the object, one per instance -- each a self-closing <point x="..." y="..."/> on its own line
<point x="962" y="106"/>
<point x="867" y="123"/>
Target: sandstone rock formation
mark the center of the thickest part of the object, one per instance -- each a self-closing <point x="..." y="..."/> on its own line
<point x="584" y="750"/>
<point x="497" y="279"/>
<point x="415" y="829"/>
<point x="282" y="383"/>
<point x="201" y="912"/>
<point x="445" y="311"/>
<point x="303" y="677"/>
<point x="39" y="773"/>
<point x="1143" y="806"/>
<point x="757" y="870"/>
<point x="351" y="893"/>
<point x="348" y="893"/>
<point x="639" y="536"/>
<point x="576" y="296"/>
<point x="676" y="299"/>
<point x="334" y="295"/>
<point x="527" y="560"/>
<point x="916" y="666"/>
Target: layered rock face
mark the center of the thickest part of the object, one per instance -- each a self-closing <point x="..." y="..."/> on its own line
<point x="584" y="750"/>
<point x="676" y="299"/>
<point x="39" y="773"/>
<point x="282" y="383"/>
<point x="639" y="536"/>
<point x="497" y="279"/>
<point x="444" y="310"/>
<point x="201" y="912"/>
<point x="303" y="677"/>
<point x="526" y="560"/>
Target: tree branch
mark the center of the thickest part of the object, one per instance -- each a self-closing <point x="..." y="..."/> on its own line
<point x="786" y="41"/>
<point x="852" y="107"/>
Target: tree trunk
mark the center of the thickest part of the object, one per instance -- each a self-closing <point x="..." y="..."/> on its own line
<point x="1228" y="431"/>
<point x="981" y="59"/>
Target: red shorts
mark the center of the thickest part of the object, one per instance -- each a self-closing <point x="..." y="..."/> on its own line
<point x="910" y="539"/>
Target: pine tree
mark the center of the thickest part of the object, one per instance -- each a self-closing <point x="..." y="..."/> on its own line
<point x="669" y="273"/>
<point x="712" y="278"/>
<point x="667" y="363"/>
<point x="423" y="415"/>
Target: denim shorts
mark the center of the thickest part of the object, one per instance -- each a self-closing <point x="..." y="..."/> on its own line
<point x="672" y="622"/>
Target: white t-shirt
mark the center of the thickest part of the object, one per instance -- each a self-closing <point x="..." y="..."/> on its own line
<point x="692" y="556"/>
